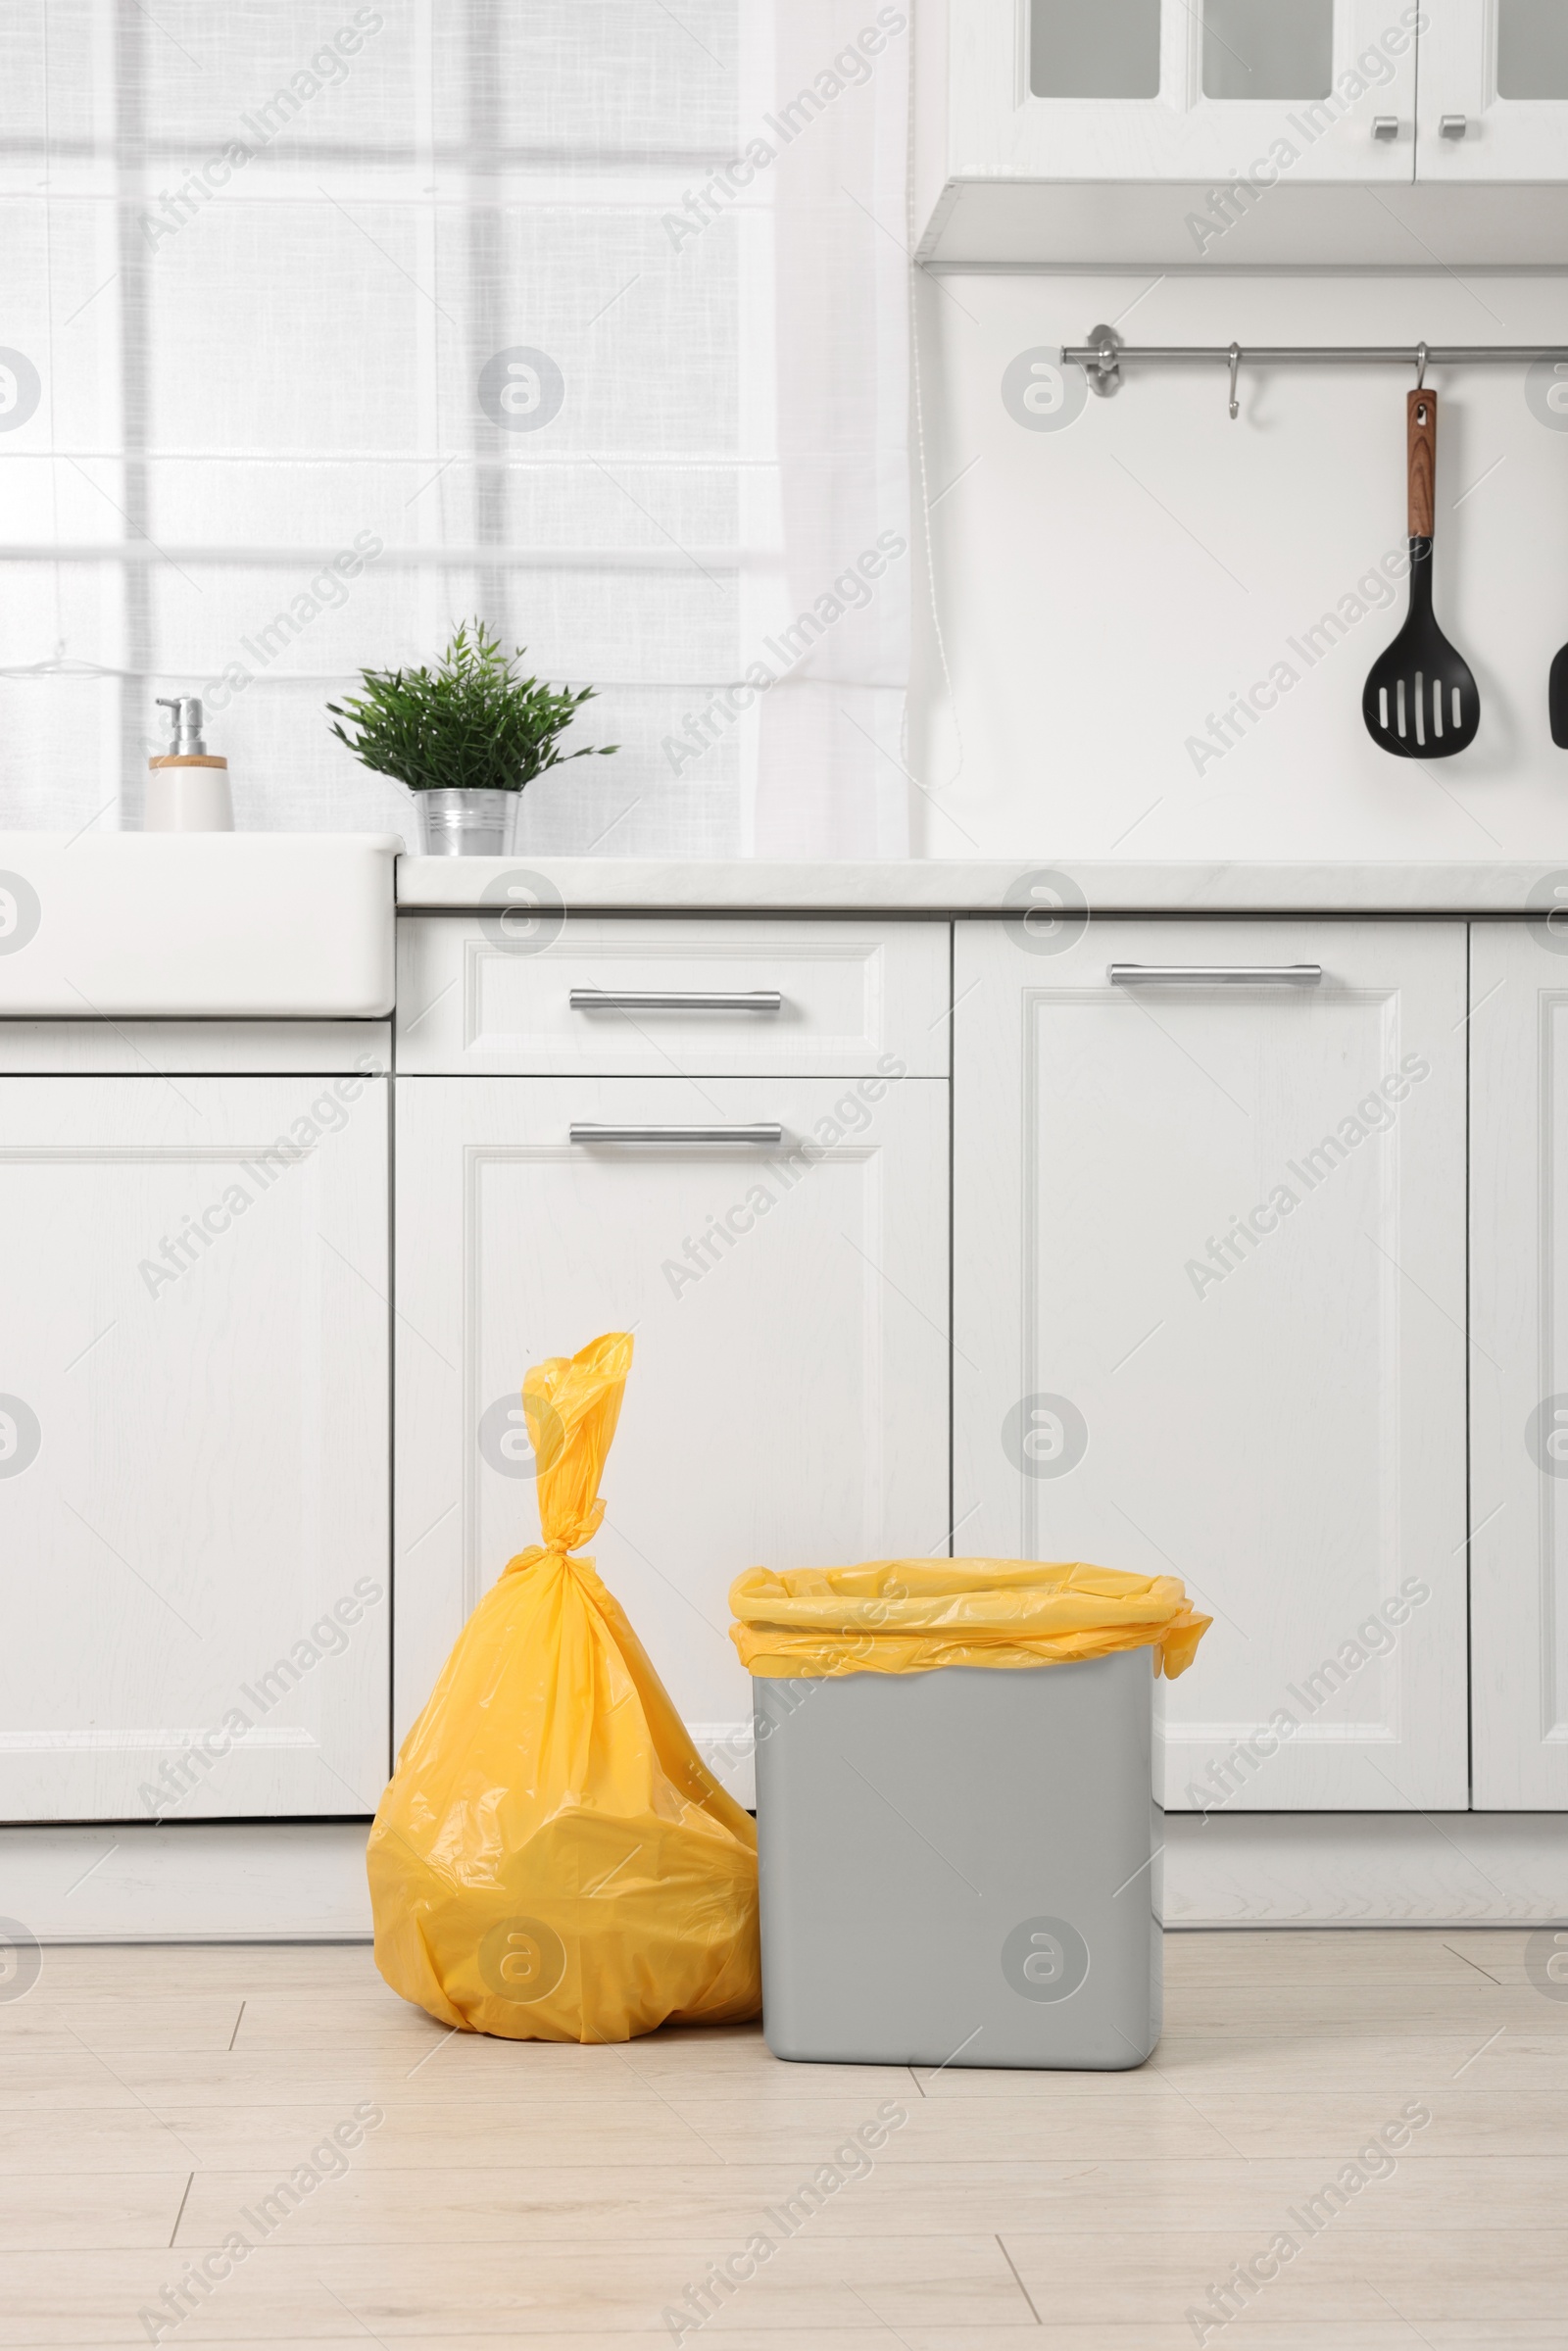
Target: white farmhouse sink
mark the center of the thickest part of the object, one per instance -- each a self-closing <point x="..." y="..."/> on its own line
<point x="233" y="926"/>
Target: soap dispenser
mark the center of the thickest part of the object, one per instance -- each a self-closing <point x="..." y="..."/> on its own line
<point x="187" y="788"/>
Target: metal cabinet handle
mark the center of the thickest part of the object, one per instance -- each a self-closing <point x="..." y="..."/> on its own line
<point x="1210" y="975"/>
<point x="760" y="1131"/>
<point x="1455" y="127"/>
<point x="1384" y="126"/>
<point x="677" y="1000"/>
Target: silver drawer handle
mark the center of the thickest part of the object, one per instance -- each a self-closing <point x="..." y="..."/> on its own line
<point x="1211" y="975"/>
<point x="760" y="1132"/>
<point x="677" y="1000"/>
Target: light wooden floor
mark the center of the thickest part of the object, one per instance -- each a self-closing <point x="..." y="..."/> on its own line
<point x="525" y="2193"/>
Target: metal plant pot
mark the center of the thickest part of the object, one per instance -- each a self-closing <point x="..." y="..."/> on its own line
<point x="468" y="824"/>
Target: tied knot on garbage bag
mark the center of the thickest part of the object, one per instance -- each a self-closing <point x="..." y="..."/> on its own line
<point x="551" y="1859"/>
<point x="909" y="1616"/>
<point x="572" y="1405"/>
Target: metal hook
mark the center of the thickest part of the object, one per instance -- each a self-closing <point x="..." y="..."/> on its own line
<point x="1420" y="366"/>
<point x="1236" y="361"/>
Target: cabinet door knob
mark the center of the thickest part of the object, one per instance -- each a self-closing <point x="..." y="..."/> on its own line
<point x="1384" y="126"/>
<point x="1455" y="127"/>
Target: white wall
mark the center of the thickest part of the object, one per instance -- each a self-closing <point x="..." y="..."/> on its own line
<point x="1105" y="587"/>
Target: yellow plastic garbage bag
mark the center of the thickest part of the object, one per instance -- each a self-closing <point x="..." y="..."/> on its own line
<point x="905" y="1616"/>
<point x="552" y="1861"/>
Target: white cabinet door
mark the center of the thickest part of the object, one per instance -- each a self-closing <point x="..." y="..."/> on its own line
<point x="1210" y="1317"/>
<point x="194" y="1359"/>
<point x="1519" y="1364"/>
<point x="1206" y="90"/>
<point x="787" y="1399"/>
<point x="1493" y="90"/>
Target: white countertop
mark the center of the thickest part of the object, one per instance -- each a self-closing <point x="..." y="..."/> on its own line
<point x="975" y="886"/>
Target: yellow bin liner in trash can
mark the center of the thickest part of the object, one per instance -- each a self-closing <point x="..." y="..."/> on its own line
<point x="552" y="1860"/>
<point x="908" y="1616"/>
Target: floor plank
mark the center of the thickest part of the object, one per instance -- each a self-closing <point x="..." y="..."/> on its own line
<point x="398" y="2183"/>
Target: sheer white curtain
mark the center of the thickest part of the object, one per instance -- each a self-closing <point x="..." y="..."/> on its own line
<point x="327" y="326"/>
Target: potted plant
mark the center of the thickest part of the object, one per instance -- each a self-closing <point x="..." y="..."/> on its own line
<point x="464" y="737"/>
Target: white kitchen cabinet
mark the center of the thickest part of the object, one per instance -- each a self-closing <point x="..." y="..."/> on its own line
<point x="628" y="996"/>
<point x="1493" y="90"/>
<point x="1190" y="90"/>
<point x="787" y="1399"/>
<point x="1245" y="134"/>
<point x="1357" y="91"/>
<point x="194" y="1359"/>
<point x="1209" y="1306"/>
<point x="1519" y="1364"/>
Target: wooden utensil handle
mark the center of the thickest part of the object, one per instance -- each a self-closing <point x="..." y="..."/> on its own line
<point x="1421" y="429"/>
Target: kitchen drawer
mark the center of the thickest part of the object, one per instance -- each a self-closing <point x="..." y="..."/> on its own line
<point x="811" y="999"/>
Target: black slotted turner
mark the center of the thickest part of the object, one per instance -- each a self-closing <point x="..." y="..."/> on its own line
<point x="1421" y="700"/>
<point x="1557" y="698"/>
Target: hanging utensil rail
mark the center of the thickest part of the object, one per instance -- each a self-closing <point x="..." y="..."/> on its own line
<point x="1104" y="355"/>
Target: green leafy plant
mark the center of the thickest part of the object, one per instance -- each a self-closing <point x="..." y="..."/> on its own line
<point x="469" y="724"/>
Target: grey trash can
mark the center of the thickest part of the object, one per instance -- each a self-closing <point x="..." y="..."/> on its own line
<point x="960" y="1867"/>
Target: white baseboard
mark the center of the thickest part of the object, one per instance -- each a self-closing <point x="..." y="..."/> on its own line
<point x="304" y="1881"/>
<point x="1366" y="1869"/>
<point x="200" y="1882"/>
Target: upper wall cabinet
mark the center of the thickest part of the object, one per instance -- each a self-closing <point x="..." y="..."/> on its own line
<point x="1139" y="89"/>
<point x="1053" y="132"/>
<point x="1493" y="90"/>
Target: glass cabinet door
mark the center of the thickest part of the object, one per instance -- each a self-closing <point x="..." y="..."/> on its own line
<point x="1493" y="90"/>
<point x="1108" y="51"/>
<point x="1261" y="49"/>
<point x="1232" y="94"/>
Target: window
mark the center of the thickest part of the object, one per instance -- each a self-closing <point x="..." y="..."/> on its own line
<point x="332" y="328"/>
